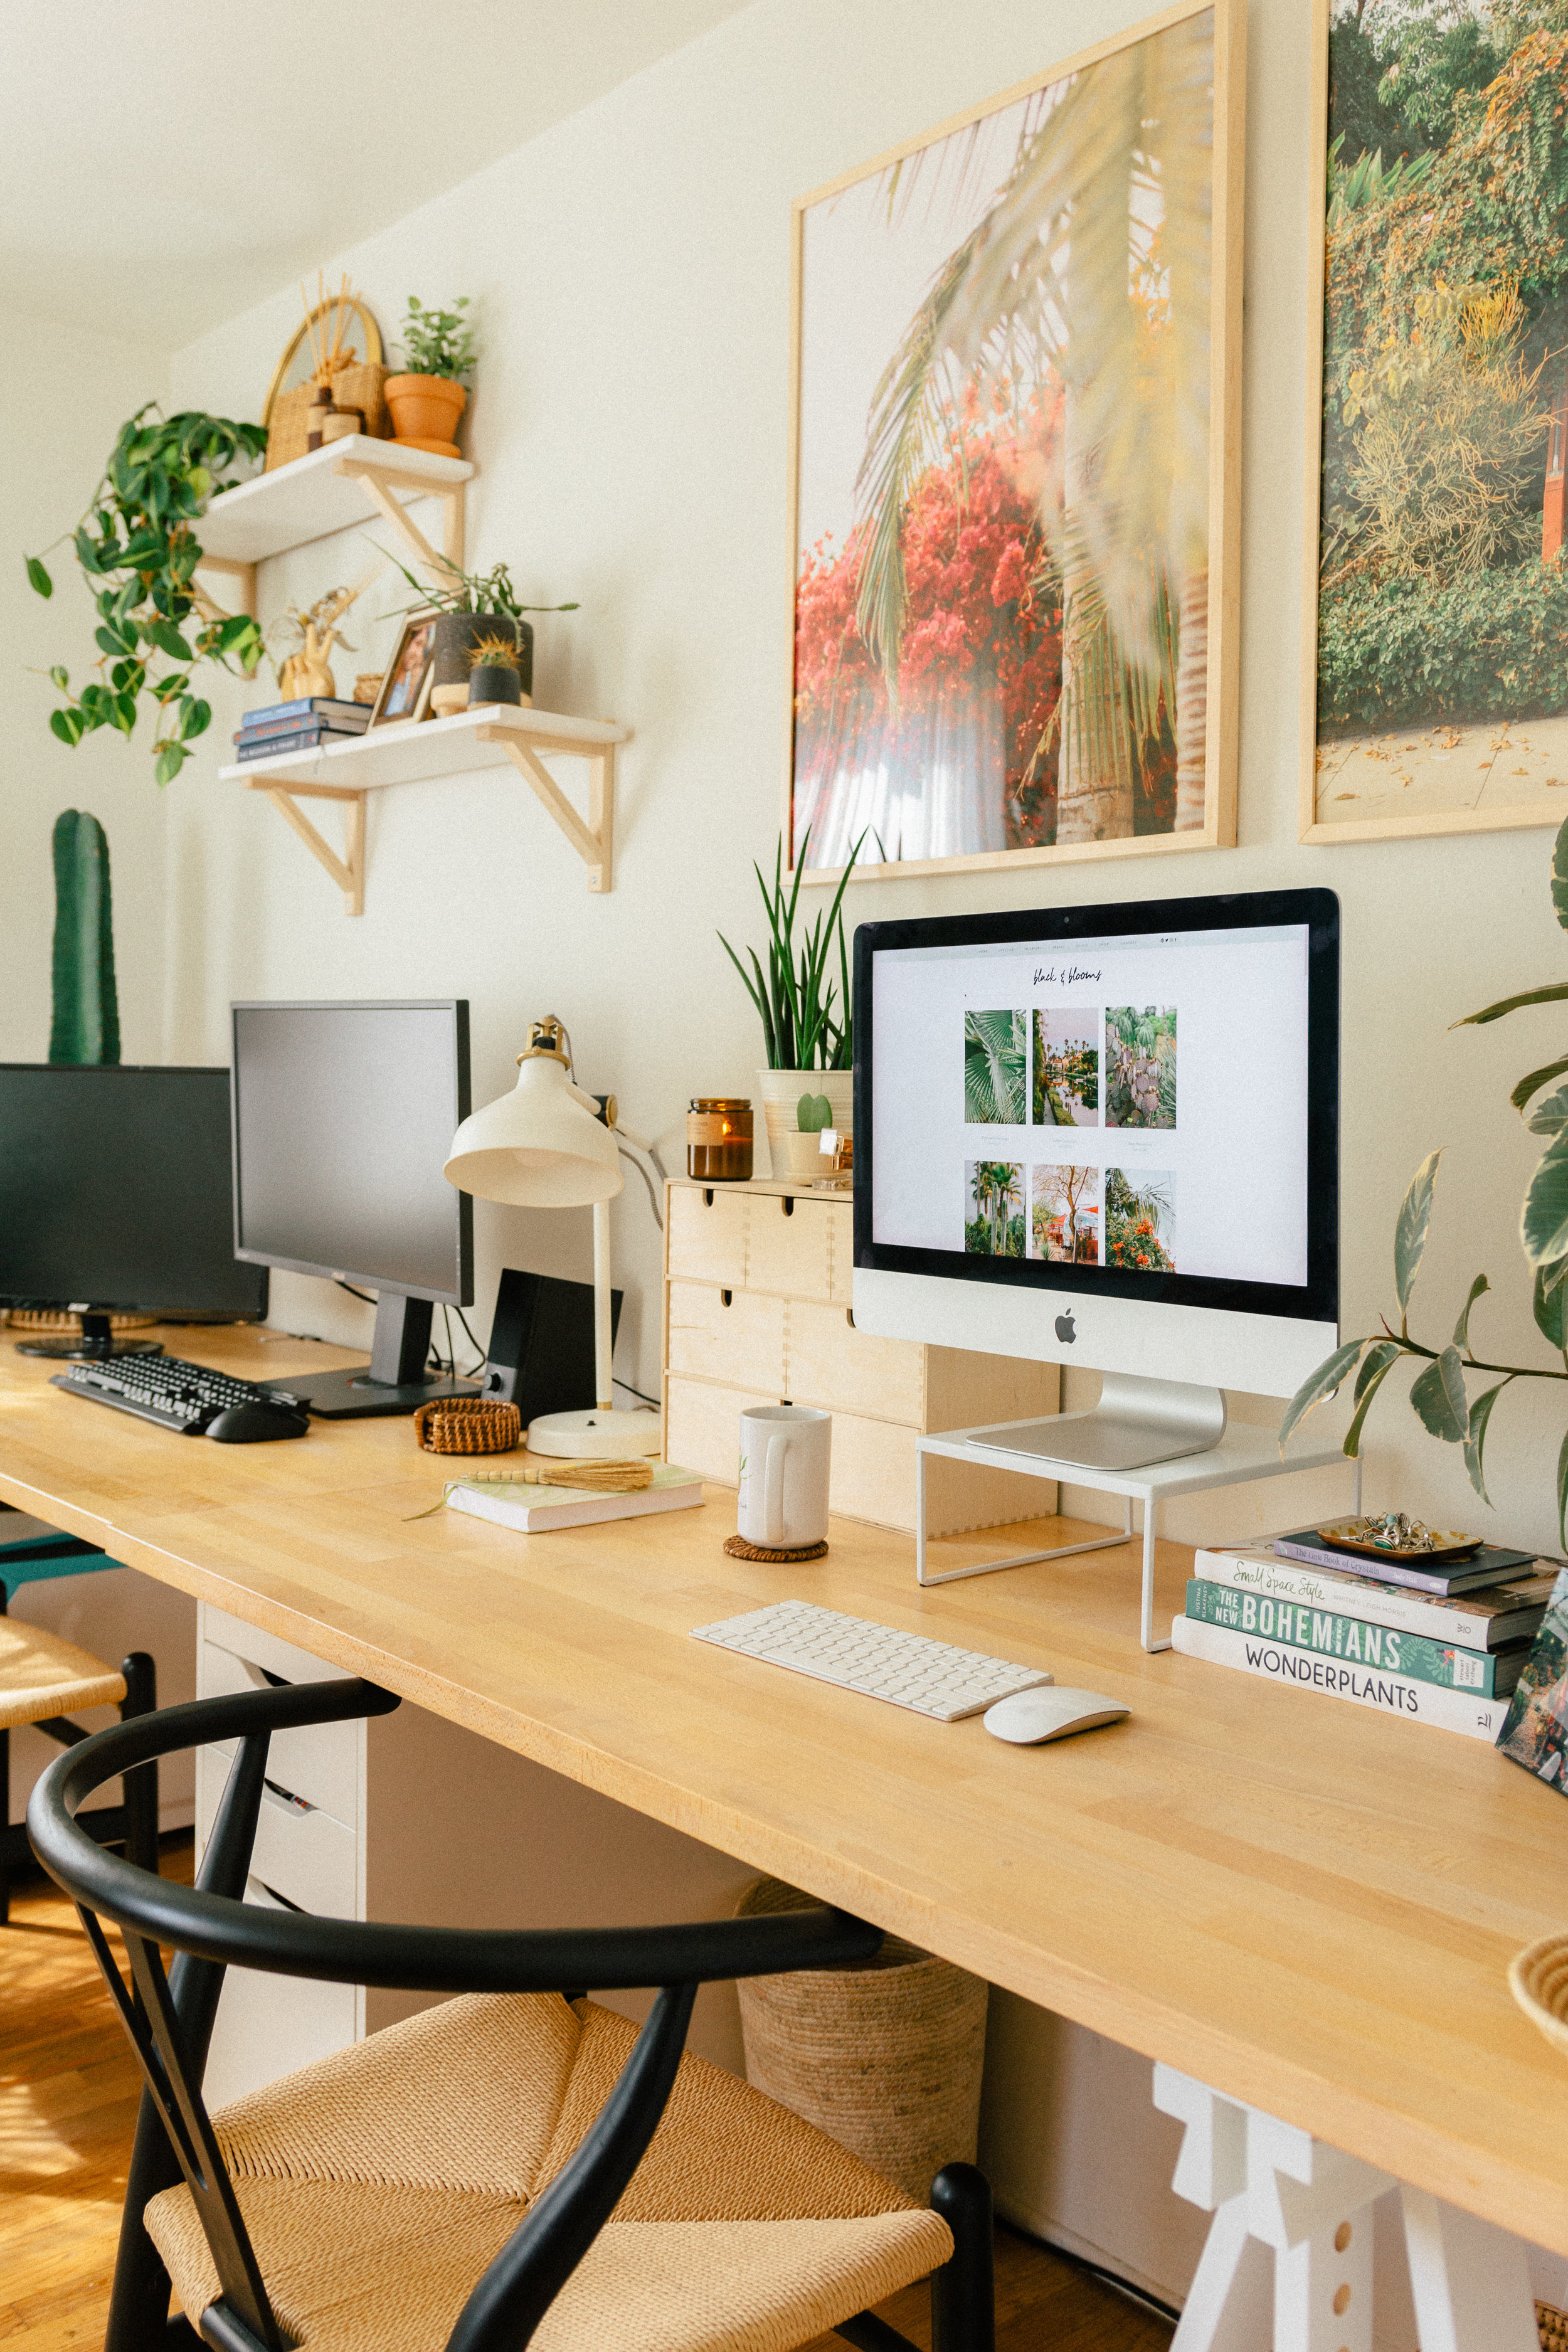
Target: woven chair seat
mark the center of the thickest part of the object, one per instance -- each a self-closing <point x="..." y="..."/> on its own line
<point x="40" y="1675"/>
<point x="379" y="2183"/>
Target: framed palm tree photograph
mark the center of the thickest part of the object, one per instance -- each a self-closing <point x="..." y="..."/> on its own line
<point x="1015" y="436"/>
<point x="1435" y="681"/>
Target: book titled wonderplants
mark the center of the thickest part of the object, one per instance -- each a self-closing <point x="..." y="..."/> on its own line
<point x="1536" y="1732"/>
<point x="1390" y="1649"/>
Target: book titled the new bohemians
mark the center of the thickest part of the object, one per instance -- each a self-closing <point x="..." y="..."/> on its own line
<point x="1305" y="1625"/>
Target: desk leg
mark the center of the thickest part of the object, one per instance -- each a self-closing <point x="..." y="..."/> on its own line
<point x="1269" y="2186"/>
<point x="995" y="1567"/>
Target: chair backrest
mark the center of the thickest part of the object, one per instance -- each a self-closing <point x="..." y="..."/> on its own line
<point x="169" y="2016"/>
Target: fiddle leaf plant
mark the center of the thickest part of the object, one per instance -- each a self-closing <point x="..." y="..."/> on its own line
<point x="1440" y="1394"/>
<point x="138" y="551"/>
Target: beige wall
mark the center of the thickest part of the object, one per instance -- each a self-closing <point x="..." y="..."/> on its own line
<point x="59" y="415"/>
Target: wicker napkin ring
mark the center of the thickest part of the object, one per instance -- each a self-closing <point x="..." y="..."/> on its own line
<point x="467" y="1425"/>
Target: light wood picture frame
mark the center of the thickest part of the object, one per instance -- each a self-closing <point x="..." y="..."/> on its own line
<point x="404" y="692"/>
<point x="951" y="370"/>
<point x="1432" y="699"/>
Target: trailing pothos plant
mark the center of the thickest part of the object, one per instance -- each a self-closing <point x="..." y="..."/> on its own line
<point x="138" y="550"/>
<point x="1440" y="1393"/>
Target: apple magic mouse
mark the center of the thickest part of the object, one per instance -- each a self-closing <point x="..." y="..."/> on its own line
<point x="1031" y="1716"/>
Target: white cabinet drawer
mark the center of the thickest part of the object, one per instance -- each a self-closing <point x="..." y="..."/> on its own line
<point x="831" y="1364"/>
<point x="281" y="1658"/>
<point x="841" y="1226"/>
<point x="319" y="1761"/>
<point x="873" y="1473"/>
<point x="788" y="1246"/>
<point x="300" y="1853"/>
<point x="708" y="1235"/>
<point x="727" y="1335"/>
<point x="267" y="2025"/>
<point x="703" y="1427"/>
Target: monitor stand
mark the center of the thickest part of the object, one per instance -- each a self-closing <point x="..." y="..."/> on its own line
<point x="394" y="1380"/>
<point x="96" y="1345"/>
<point x="1137" y="1421"/>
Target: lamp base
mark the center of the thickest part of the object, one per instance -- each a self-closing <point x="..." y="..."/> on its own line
<point x="597" y="1435"/>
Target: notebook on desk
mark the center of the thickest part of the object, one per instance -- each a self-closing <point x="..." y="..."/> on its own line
<point x="533" y="1509"/>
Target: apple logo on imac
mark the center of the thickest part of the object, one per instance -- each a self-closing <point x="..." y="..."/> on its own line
<point x="1065" y="1329"/>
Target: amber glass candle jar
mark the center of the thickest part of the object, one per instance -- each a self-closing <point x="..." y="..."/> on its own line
<point x="719" y="1139"/>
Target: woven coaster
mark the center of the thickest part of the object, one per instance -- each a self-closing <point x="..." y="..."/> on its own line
<point x="739" y="1548"/>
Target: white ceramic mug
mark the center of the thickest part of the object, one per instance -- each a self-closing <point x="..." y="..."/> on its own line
<point x="784" y="1455"/>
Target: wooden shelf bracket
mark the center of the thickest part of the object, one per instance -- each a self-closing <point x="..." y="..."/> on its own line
<point x="348" y="871"/>
<point x="380" y="483"/>
<point x="595" y="841"/>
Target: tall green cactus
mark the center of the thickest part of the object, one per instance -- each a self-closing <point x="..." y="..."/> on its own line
<point x="86" y="1025"/>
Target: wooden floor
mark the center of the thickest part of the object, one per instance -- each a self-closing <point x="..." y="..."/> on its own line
<point x="67" y="2102"/>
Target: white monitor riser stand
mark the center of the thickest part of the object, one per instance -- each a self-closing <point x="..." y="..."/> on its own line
<point x="1146" y="1440"/>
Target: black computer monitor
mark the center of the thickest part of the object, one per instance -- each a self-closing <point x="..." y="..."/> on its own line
<point x="343" y="1117"/>
<point x="116" y="1196"/>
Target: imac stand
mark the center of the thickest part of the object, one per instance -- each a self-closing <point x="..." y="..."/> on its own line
<point x="1146" y="1441"/>
<point x="394" y="1380"/>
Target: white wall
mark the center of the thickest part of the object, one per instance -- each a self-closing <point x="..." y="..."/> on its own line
<point x="58" y="419"/>
<point x="631" y="274"/>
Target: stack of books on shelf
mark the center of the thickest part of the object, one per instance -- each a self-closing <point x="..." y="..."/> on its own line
<point x="300" y="726"/>
<point x="1431" y="1641"/>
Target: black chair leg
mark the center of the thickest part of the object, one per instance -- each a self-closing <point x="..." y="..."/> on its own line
<point x="963" y="2294"/>
<point x="141" y="1787"/>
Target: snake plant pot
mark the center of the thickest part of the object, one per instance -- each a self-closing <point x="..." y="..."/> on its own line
<point x="457" y="635"/>
<point x="779" y="1091"/>
<point x="426" y="409"/>
<point x="493" y="682"/>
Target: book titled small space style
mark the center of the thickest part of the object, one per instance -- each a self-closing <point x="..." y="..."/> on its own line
<point x="1536" y="1732"/>
<point x="1485" y="1620"/>
<point x="533" y="1510"/>
<point x="349" y="715"/>
<point x="1393" y="1695"/>
<point x="1489" y="1564"/>
<point x="299" y="739"/>
<point x="1307" y="1625"/>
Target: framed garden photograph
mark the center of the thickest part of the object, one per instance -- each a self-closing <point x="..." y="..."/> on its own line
<point x="1434" y="638"/>
<point x="1015" y="434"/>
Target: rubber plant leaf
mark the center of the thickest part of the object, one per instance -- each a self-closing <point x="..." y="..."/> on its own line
<point x="1543" y="1219"/>
<point x="1563" y="1493"/>
<point x="1550" y="1300"/>
<point x="1410" y="1233"/>
<point x="1438" y="1396"/>
<point x="1379" y="1362"/>
<point x="1476" y="1437"/>
<point x="1560" y="874"/>
<point x="1462" y="1328"/>
<point x="1319" y="1385"/>
<point x="1551" y="1117"/>
<point x="1535" y="1081"/>
<point x="1554" y="995"/>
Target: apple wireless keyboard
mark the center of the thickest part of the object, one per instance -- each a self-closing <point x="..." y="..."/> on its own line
<point x="907" y="1669"/>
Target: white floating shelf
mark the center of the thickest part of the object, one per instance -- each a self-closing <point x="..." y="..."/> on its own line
<point x="319" y="493"/>
<point x="491" y="735"/>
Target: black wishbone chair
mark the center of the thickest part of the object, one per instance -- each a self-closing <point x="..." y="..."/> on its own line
<point x="489" y="2169"/>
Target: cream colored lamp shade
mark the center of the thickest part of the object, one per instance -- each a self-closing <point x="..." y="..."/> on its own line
<point x="544" y="1146"/>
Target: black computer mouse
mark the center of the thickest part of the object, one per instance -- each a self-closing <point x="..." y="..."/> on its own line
<point x="248" y="1424"/>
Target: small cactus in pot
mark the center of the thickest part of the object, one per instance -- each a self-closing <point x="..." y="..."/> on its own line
<point x="495" y="671"/>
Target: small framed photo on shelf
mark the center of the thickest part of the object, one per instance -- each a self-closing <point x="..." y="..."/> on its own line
<point x="405" y="685"/>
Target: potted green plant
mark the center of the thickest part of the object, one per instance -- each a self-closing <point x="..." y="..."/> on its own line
<point x="493" y="671"/>
<point x="427" y="401"/>
<point x="808" y="1031"/>
<point x="1440" y="1394"/>
<point x="138" y="550"/>
<point x="472" y="605"/>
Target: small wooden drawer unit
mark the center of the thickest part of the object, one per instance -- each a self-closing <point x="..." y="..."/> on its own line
<point x="759" y="1285"/>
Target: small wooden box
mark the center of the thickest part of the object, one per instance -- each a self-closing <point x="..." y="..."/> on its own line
<point x="759" y="1280"/>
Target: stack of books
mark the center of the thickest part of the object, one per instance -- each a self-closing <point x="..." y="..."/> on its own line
<point x="1429" y="1641"/>
<point x="300" y="726"/>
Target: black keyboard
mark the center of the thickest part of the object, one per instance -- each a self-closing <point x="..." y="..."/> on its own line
<point x="161" y="1389"/>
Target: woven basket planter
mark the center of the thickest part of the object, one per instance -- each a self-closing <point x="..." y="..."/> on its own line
<point x="1538" y="1978"/>
<point x="1553" y="2326"/>
<point x="467" y="1425"/>
<point x="886" y="2058"/>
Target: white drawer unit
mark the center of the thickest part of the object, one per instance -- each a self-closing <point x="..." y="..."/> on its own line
<point x="759" y="1286"/>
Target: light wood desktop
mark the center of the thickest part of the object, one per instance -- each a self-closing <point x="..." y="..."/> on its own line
<point x="1306" y="1907"/>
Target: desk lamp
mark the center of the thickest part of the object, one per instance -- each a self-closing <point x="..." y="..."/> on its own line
<point x="547" y="1145"/>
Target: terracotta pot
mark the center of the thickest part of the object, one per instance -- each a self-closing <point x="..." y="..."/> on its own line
<point x="424" y="407"/>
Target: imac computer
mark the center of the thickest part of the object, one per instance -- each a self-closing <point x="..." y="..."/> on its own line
<point x="343" y="1117"/>
<point x="1106" y="1136"/>
<point x="116" y="1198"/>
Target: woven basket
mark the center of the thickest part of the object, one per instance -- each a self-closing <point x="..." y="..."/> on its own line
<point x="467" y="1425"/>
<point x="1553" y="2326"/>
<point x="885" y="2058"/>
<point x="1537" y="1979"/>
<point x="356" y="387"/>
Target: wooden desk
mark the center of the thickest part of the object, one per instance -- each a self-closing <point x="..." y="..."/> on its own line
<point x="1308" y="1907"/>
